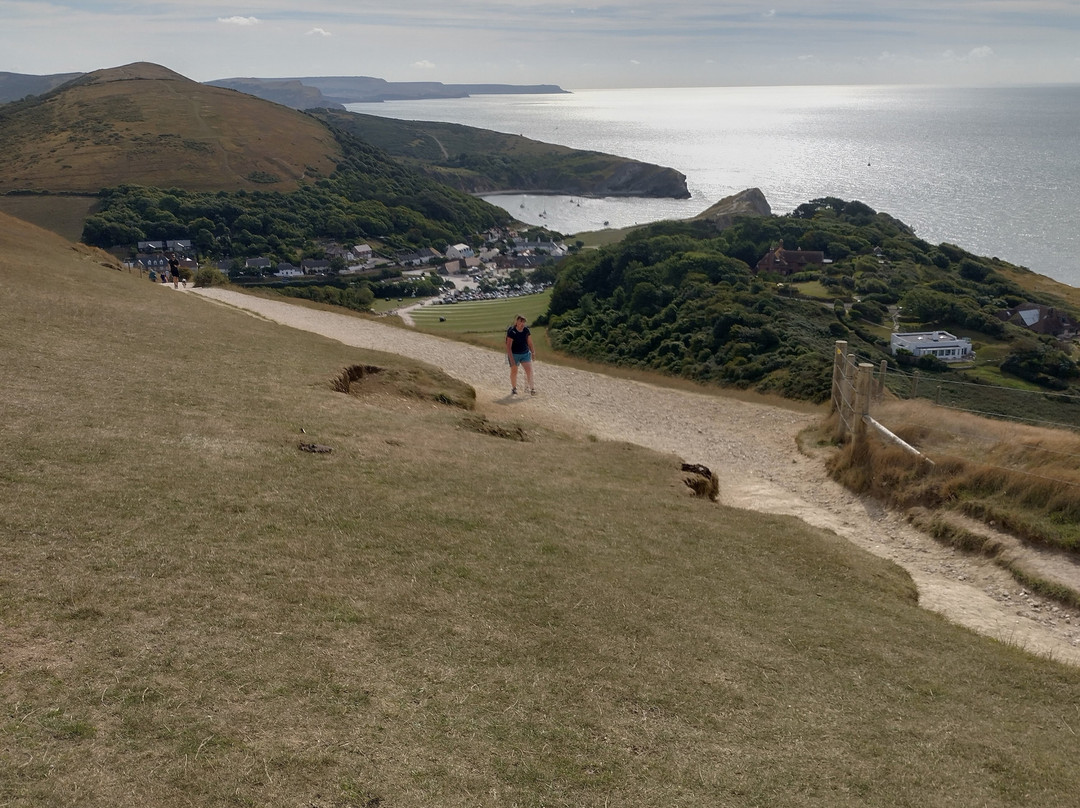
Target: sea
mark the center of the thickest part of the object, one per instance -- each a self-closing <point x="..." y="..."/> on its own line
<point x="993" y="170"/>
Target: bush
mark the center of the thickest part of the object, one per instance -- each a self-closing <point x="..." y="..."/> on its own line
<point x="209" y="276"/>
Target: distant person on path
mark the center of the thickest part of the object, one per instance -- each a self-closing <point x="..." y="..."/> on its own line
<point x="174" y="270"/>
<point x="519" y="351"/>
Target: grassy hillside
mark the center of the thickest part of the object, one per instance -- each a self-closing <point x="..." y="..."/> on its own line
<point x="685" y="298"/>
<point x="193" y="611"/>
<point x="482" y="161"/>
<point x="143" y="124"/>
<point x="63" y="214"/>
<point x="14" y="86"/>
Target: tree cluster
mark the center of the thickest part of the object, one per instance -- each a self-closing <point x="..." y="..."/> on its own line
<point x="369" y="196"/>
<point x="683" y="298"/>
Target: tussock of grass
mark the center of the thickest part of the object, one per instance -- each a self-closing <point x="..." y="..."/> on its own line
<point x="415" y="381"/>
<point x="481" y="425"/>
<point x="193" y="612"/>
<point x="1024" y="479"/>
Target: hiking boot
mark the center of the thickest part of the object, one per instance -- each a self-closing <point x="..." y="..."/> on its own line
<point x="513" y="391"/>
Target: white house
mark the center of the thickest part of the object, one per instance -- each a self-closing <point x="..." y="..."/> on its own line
<point x="287" y="270"/>
<point x="941" y="344"/>
<point x="460" y="251"/>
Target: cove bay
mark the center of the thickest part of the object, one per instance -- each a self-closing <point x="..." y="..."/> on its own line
<point x="993" y="170"/>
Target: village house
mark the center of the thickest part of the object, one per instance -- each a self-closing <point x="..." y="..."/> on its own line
<point x="346" y="254"/>
<point x="521" y="261"/>
<point x="460" y="251"/>
<point x="287" y="270"/>
<point x="315" y="266"/>
<point x="260" y="265"/>
<point x="555" y="249"/>
<point x="1040" y="319"/>
<point x="941" y="344"/>
<point x="787" y="262"/>
<point x="180" y="246"/>
<point x="147" y="261"/>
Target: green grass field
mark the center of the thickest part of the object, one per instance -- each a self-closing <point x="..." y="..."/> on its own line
<point x="195" y="612"/>
<point x="480" y="316"/>
<point x="484" y="322"/>
<point x="815" y="290"/>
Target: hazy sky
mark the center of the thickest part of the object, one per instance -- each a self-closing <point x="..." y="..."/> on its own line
<point x="602" y="43"/>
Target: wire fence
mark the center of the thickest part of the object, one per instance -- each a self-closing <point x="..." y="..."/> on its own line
<point x="1054" y="410"/>
<point x="859" y="387"/>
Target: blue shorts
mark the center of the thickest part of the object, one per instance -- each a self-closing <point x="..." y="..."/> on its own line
<point x="522" y="357"/>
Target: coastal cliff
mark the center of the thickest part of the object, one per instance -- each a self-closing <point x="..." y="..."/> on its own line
<point x="480" y="161"/>
<point x="333" y="92"/>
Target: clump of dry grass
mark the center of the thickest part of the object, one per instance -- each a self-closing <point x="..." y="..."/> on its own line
<point x="421" y="382"/>
<point x="1025" y="479"/>
<point x="481" y="425"/>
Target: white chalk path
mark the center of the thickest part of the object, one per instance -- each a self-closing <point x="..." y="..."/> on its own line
<point x="751" y="447"/>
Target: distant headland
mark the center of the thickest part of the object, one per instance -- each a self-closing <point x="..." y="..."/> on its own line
<point x="328" y="92"/>
<point x="333" y="92"/>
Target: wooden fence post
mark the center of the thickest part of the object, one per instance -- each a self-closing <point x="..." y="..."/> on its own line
<point x="838" y="370"/>
<point x="915" y="383"/>
<point x="880" y="389"/>
<point x="840" y="391"/>
<point x="863" y="382"/>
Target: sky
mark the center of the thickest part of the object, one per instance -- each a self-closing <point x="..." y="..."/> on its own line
<point x="601" y="44"/>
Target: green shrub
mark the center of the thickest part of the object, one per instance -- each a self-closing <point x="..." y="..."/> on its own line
<point x="210" y="276"/>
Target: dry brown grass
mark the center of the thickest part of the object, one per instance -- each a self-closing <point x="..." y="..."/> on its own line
<point x="148" y="126"/>
<point x="195" y="612"/>
<point x="1024" y="479"/>
<point x="63" y="215"/>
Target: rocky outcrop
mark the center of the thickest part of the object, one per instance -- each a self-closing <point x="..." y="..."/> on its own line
<point x="751" y="202"/>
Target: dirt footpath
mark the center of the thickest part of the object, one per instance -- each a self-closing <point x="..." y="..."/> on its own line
<point x="752" y="448"/>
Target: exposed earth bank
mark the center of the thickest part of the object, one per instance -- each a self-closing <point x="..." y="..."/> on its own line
<point x="751" y="446"/>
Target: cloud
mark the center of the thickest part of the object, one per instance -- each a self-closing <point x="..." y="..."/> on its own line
<point x="424" y="64"/>
<point x="973" y="55"/>
<point x="319" y="31"/>
<point x="239" y="20"/>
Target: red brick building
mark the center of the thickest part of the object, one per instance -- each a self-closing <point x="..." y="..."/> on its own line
<point x="788" y="262"/>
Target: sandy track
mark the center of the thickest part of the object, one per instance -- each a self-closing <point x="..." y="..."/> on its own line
<point x="752" y="448"/>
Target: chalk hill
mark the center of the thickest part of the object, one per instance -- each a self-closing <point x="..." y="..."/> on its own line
<point x="145" y="124"/>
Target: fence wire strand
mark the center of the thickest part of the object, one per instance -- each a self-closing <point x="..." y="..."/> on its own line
<point x="848" y="366"/>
